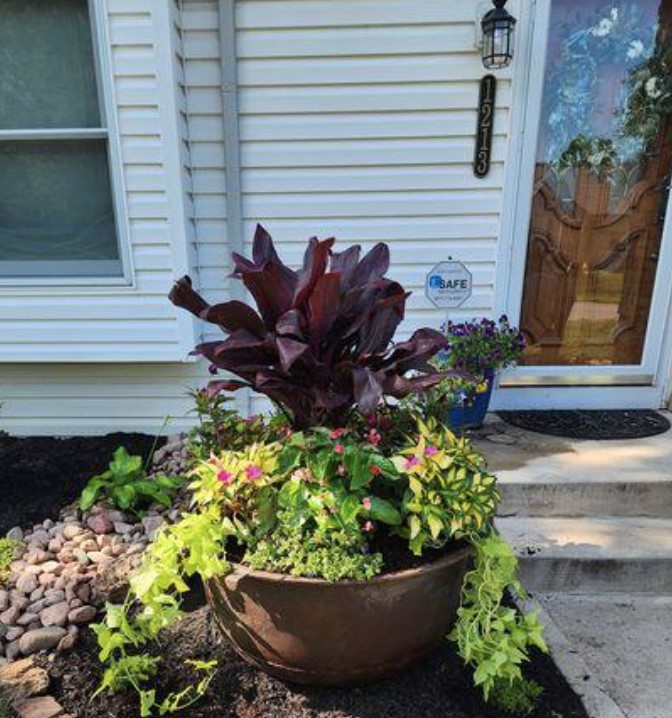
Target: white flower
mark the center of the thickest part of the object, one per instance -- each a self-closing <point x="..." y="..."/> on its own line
<point x="603" y="28"/>
<point x="635" y="49"/>
<point x="652" y="89"/>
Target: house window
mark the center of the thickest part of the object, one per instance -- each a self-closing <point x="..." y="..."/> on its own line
<point x="57" y="214"/>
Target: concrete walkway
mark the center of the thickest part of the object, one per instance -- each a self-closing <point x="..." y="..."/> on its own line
<point x="591" y="522"/>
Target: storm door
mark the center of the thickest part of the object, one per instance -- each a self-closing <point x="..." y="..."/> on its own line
<point x="593" y="299"/>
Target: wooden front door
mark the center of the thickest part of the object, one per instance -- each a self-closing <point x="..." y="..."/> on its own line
<point x="602" y="176"/>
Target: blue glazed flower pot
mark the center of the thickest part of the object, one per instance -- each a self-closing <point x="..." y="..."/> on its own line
<point x="460" y="418"/>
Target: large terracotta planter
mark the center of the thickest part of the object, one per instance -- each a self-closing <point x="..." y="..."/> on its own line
<point x="312" y="631"/>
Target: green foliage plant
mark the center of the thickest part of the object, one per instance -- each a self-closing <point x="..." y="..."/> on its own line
<point x="7" y="548"/>
<point x="220" y="425"/>
<point x="450" y="495"/>
<point x="518" y="697"/>
<point x="193" y="546"/>
<point x="126" y="486"/>
<point x="495" y="639"/>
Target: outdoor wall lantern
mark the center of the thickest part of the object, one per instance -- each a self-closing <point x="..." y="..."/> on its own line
<point x="498" y="27"/>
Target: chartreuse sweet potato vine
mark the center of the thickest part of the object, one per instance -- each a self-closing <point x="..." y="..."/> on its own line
<point x="493" y="638"/>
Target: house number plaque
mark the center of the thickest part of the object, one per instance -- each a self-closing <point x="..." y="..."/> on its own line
<point x="484" y="128"/>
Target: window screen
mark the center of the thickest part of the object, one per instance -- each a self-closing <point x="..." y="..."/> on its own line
<point x="56" y="206"/>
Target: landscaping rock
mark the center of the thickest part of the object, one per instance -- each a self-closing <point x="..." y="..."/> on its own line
<point x="27" y="618"/>
<point x="41" y="639"/>
<point x="100" y="524"/>
<point x="152" y="524"/>
<point x="67" y="643"/>
<point x="56" y="615"/>
<point x="37" y="594"/>
<point x="27" y="583"/>
<point x="22" y="679"/>
<point x="71" y="530"/>
<point x="123" y="528"/>
<point x="13" y="633"/>
<point x="37" y="555"/>
<point x="12" y="650"/>
<point x="42" y="707"/>
<point x="16" y="534"/>
<point x="16" y="598"/>
<point x="53" y="595"/>
<point x="10" y="616"/>
<point x="81" y="615"/>
<point x="62" y="570"/>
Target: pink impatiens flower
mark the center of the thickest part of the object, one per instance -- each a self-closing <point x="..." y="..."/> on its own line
<point x="375" y="470"/>
<point x="253" y="472"/>
<point x="431" y="450"/>
<point x="366" y="503"/>
<point x="337" y="433"/>
<point x="368" y="526"/>
<point x="373" y="437"/>
<point x="339" y="449"/>
<point x="412" y="461"/>
<point x="226" y="477"/>
<point x="341" y="470"/>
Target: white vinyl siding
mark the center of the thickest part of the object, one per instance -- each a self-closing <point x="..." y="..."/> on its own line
<point x="203" y="88"/>
<point x="67" y="323"/>
<point x="357" y="120"/>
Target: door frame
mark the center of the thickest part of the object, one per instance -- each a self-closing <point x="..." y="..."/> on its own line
<point x="536" y="387"/>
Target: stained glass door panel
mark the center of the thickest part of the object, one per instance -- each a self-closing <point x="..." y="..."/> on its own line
<point x="602" y="177"/>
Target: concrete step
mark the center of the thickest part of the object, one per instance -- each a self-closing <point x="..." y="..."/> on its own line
<point x="589" y="555"/>
<point x="651" y="498"/>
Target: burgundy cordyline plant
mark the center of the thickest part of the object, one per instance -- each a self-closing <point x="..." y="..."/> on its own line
<point x="320" y="342"/>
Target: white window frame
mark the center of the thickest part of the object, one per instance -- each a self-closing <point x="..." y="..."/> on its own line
<point x="108" y="131"/>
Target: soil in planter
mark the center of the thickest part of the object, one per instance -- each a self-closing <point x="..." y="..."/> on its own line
<point x="39" y="475"/>
<point x="437" y="686"/>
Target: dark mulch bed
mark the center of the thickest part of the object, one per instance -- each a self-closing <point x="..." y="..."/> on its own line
<point x="438" y="686"/>
<point x="39" y="475"/>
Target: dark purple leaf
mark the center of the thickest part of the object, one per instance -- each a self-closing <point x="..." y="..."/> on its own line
<point x="315" y="263"/>
<point x="234" y="315"/>
<point x="182" y="295"/>
<point x="289" y="351"/>
<point x="216" y="387"/>
<point x="272" y="294"/>
<point x="368" y="389"/>
<point x="291" y="324"/>
<point x="323" y="306"/>
<point x="374" y="265"/>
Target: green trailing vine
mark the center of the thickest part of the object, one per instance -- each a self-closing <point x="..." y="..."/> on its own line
<point x="492" y="638"/>
<point x="193" y="546"/>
